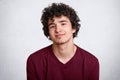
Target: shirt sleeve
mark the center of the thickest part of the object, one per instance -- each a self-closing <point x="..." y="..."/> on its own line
<point x="30" y="70"/>
<point x="94" y="72"/>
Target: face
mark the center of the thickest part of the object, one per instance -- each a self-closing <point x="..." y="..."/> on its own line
<point x="60" y="30"/>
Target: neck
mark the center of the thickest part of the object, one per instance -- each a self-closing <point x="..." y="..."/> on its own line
<point x="64" y="52"/>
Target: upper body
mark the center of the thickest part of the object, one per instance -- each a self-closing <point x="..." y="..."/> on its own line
<point x="60" y="24"/>
<point x="44" y="65"/>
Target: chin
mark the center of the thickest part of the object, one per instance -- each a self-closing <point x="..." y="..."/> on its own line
<point x="60" y="42"/>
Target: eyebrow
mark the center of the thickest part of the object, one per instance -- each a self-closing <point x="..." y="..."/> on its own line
<point x="62" y="21"/>
<point x="58" y="21"/>
<point x="50" y="24"/>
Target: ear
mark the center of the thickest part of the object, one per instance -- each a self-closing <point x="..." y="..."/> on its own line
<point x="73" y="30"/>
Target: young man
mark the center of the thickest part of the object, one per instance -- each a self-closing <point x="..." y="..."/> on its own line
<point x="62" y="60"/>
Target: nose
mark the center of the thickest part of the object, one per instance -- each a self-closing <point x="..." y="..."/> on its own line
<point x="57" y="28"/>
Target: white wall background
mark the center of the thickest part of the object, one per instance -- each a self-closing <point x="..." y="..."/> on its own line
<point x="21" y="34"/>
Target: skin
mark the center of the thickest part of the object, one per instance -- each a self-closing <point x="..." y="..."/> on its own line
<point x="61" y="33"/>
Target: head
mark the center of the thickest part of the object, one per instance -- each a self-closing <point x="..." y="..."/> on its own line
<point x="57" y="10"/>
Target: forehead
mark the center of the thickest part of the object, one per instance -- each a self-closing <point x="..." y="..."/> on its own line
<point x="58" y="19"/>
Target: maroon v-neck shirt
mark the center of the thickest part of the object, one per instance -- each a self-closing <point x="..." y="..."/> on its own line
<point x="44" y="65"/>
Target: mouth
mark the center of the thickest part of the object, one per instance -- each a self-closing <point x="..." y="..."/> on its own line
<point x="59" y="35"/>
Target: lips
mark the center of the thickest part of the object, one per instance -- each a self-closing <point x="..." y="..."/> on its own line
<point x="59" y="35"/>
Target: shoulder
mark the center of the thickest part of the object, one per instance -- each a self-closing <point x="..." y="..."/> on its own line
<point x="89" y="57"/>
<point x="90" y="63"/>
<point x="42" y="53"/>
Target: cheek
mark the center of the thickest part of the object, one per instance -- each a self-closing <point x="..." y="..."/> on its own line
<point x="51" y="33"/>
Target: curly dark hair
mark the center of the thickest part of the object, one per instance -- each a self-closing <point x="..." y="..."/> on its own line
<point x="59" y="9"/>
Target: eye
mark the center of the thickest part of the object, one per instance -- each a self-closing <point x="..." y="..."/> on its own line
<point x="51" y="26"/>
<point x="63" y="24"/>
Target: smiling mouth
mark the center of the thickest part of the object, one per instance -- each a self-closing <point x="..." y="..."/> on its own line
<point x="59" y="35"/>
